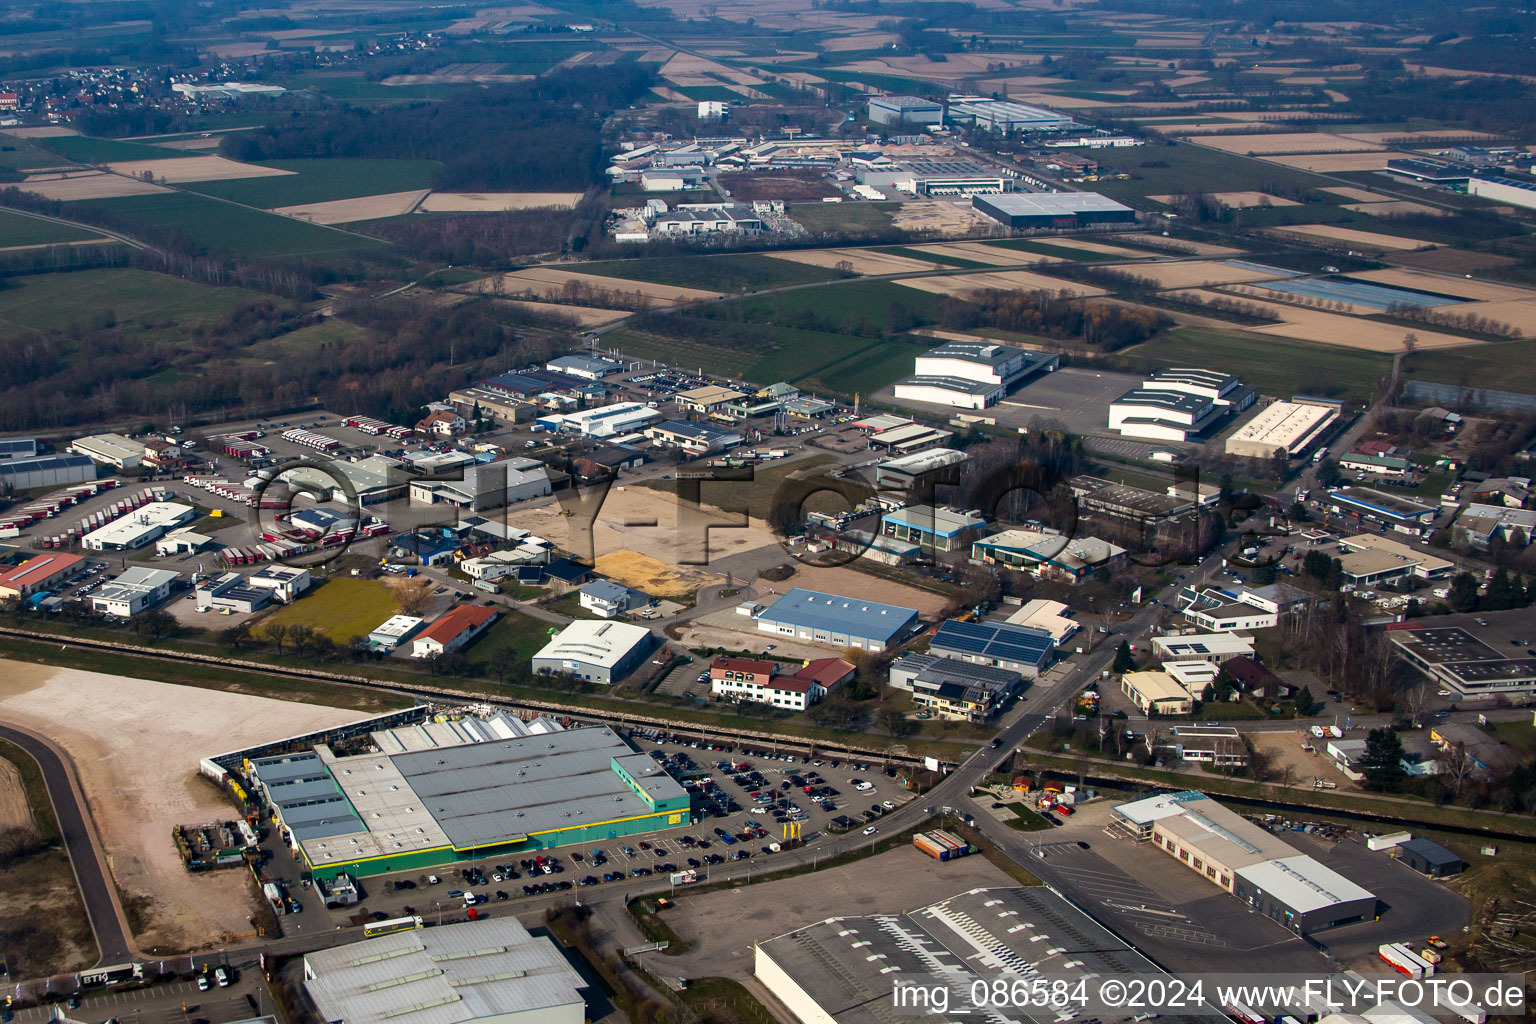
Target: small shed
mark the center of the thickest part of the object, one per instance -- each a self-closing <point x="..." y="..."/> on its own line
<point x="1429" y="858"/>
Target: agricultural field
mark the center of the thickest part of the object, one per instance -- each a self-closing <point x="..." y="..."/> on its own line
<point x="19" y="154"/>
<point x="82" y="149"/>
<point x="297" y="182"/>
<point x="134" y="298"/>
<point x="341" y="608"/>
<point x="735" y="273"/>
<point x="822" y="218"/>
<point x="18" y="229"/>
<point x="225" y="227"/>
<point x="857" y="261"/>
<point x="1272" y="365"/>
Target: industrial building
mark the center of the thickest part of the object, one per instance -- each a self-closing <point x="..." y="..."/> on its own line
<point x="1281" y="430"/>
<point x="232" y="592"/>
<point x="487" y="485"/>
<point x="833" y="619"/>
<point x="910" y="437"/>
<point x="1021" y="649"/>
<point x="1178" y="404"/>
<point x="1247" y="861"/>
<point x="1428" y="857"/>
<point x="1403" y="515"/>
<point x="910" y="473"/>
<point x="1377" y="458"/>
<point x="17" y="448"/>
<point x="605" y="421"/>
<point x="693" y="437"/>
<point x="1126" y="501"/>
<point x="1434" y="172"/>
<point x="708" y="219"/>
<point x="38" y="574"/>
<point x="935" y="177"/>
<point x="1460" y="661"/>
<point x="1370" y="560"/>
<point x="932" y="527"/>
<point x="472" y="972"/>
<point x="590" y="367"/>
<point x="597" y="651"/>
<point x="452" y="631"/>
<point x="1478" y="524"/>
<point x="954" y="689"/>
<point x="841" y="969"/>
<point x="26" y="473"/>
<point x="905" y="110"/>
<point x="394" y="631"/>
<point x="113" y="450"/>
<point x="1005" y="115"/>
<point x="432" y="794"/>
<point x="1503" y="190"/>
<point x="1052" y="616"/>
<point x="1048" y="555"/>
<point x="136" y="589"/>
<point x="1058" y="211"/>
<point x="971" y="374"/>
<point x="1158" y="692"/>
<point x="140" y="527"/>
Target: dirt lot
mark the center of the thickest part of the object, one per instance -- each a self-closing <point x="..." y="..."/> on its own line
<point x="1194" y="274"/>
<point x="549" y="283"/>
<point x="345" y="211"/>
<point x="1367" y="240"/>
<point x="747" y="187"/>
<point x="14" y="810"/>
<point x="1328" y="163"/>
<point x="1239" y="200"/>
<point x="496" y="202"/>
<point x="136" y="745"/>
<point x="195" y="168"/>
<point x="959" y="284"/>
<point x="860" y="261"/>
<point x="1285" y="750"/>
<point x="934" y="215"/>
<point x="981" y="252"/>
<point x="1443" y="284"/>
<point x="837" y="579"/>
<point x="651" y="575"/>
<point x="95" y="185"/>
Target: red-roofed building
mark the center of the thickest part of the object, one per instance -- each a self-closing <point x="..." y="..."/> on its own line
<point x="454" y="630"/>
<point x="748" y="679"/>
<point x="38" y="573"/>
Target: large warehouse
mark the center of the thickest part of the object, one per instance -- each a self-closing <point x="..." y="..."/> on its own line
<point x="113" y="450"/>
<point x="1022" y="649"/>
<point x="1005" y="115"/>
<point x="139" y="527"/>
<point x="912" y="110"/>
<point x="431" y="794"/>
<point x="23" y="474"/>
<point x="1178" y="404"/>
<point x="1247" y="861"/>
<point x="833" y="619"/>
<point x="1281" y="430"/>
<point x="1390" y="510"/>
<point x="1053" y="210"/>
<point x="971" y="374"/>
<point x="597" y="651"/>
<point x="842" y="969"/>
<point x="472" y="972"/>
<point x="1504" y="190"/>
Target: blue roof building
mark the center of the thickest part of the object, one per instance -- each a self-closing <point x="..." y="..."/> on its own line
<point x="1024" y="649"/>
<point x="837" y="620"/>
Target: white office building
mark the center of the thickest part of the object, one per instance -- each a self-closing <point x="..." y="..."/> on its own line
<point x="113" y="450"/>
<point x="140" y="527"/>
<point x="135" y="590"/>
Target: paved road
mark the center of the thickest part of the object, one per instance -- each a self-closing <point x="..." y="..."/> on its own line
<point x="79" y="835"/>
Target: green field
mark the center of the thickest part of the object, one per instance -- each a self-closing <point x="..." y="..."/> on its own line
<point x="881" y="304"/>
<point x="945" y="259"/>
<point x="1502" y="365"/>
<point x="355" y="89"/>
<point x="864" y="372"/>
<point x="134" y="297"/>
<point x="341" y="608"/>
<point x="1212" y="169"/>
<point x="521" y="633"/>
<point x="225" y="227"/>
<point x="1275" y="366"/>
<point x="306" y="342"/>
<point x="85" y="150"/>
<point x="823" y="218"/>
<point x="320" y="181"/>
<point x="745" y="272"/>
<point x="22" y="154"/>
<point x="18" y="229"/>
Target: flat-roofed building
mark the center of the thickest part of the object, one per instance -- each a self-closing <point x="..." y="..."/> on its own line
<point x="595" y="650"/>
<point x="833" y="619"/>
<point x="1127" y="501"/>
<point x="138" y="588"/>
<point x="698" y="438"/>
<point x="707" y="398"/>
<point x="588" y="366"/>
<point x="113" y="450"/>
<point x="995" y="115"/>
<point x="941" y="529"/>
<point x="490" y="971"/>
<point x="972" y="374"/>
<point x="1156" y="693"/>
<point x="140" y="527"/>
<point x="1212" y="647"/>
<point x="605" y="421"/>
<point x="1052" y="210"/>
<point x="1403" y="515"/>
<point x="1052" y="616"/>
<point x="1369" y="560"/>
<point x="25" y="473"/>
<point x="1248" y="861"/>
<point x="1281" y="430"/>
<point x="1022" y="649"/>
<point x="911" y="110"/>
<point x="394" y="631"/>
<point x="1048" y="555"/>
<point x="954" y="689"/>
<point x="1479" y="524"/>
<point x="1459" y="660"/>
<point x="910" y="437"/>
<point x="1503" y="190"/>
<point x="707" y="219"/>
<point x="910" y="472"/>
<point x="1220" y="746"/>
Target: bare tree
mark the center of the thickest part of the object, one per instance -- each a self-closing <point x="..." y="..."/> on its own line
<point x="276" y="632"/>
<point x="414" y="595"/>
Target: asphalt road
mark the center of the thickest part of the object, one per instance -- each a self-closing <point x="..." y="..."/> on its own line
<point x="79" y="836"/>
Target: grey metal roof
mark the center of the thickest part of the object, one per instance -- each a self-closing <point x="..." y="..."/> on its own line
<point x="445" y="975"/>
<point x="42" y="463"/>
<point x="937" y="670"/>
<point x="957" y="384"/>
<point x="848" y="616"/>
<point x="985" y="352"/>
<point x="1173" y="401"/>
